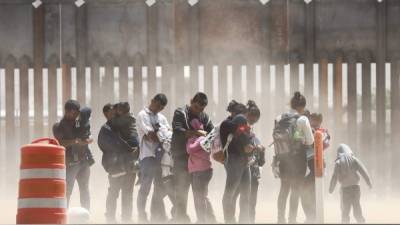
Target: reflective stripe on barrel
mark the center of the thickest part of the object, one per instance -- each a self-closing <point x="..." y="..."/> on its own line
<point x="42" y="173"/>
<point x="26" y="203"/>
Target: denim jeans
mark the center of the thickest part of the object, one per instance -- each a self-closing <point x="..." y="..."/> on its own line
<point x="81" y="173"/>
<point x="292" y="186"/>
<point x="124" y="184"/>
<point x="150" y="172"/>
<point x="182" y="181"/>
<point x="253" y="197"/>
<point x="237" y="179"/>
<point x="308" y="199"/>
<point x="204" y="210"/>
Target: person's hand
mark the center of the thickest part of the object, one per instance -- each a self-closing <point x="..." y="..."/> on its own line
<point x="249" y="148"/>
<point x="83" y="142"/>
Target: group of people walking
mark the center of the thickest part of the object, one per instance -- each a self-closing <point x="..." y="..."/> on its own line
<point x="176" y="156"/>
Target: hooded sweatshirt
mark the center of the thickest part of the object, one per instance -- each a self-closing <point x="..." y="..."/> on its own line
<point x="199" y="160"/>
<point x="347" y="167"/>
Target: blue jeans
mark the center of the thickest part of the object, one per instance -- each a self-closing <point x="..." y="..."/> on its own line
<point x="204" y="210"/>
<point x="81" y="173"/>
<point x="237" y="180"/>
<point x="123" y="184"/>
<point x="150" y="171"/>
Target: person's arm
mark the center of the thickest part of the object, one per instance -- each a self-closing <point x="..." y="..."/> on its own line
<point x="209" y="125"/>
<point x="143" y="123"/>
<point x="109" y="141"/>
<point x="327" y="140"/>
<point x="192" y="146"/>
<point x="304" y="125"/>
<point x="363" y="171"/>
<point x="134" y="137"/>
<point x="104" y="141"/>
<point x="261" y="158"/>
<point x="334" y="179"/>
<point x="179" y="125"/>
<point x="59" y="135"/>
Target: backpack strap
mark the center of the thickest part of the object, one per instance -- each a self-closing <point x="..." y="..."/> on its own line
<point x="228" y="141"/>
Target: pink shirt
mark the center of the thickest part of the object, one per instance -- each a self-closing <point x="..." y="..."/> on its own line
<point x="199" y="160"/>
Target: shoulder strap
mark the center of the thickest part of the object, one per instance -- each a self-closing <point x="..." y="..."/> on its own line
<point x="183" y="111"/>
<point x="228" y="141"/>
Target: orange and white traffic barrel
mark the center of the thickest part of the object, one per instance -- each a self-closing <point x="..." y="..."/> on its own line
<point x="42" y="186"/>
<point x="319" y="175"/>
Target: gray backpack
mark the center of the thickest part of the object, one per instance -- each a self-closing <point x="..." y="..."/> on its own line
<point x="284" y="135"/>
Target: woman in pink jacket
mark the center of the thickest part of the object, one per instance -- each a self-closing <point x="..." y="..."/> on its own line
<point x="199" y="165"/>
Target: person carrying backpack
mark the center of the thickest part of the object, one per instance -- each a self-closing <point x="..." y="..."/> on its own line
<point x="292" y="137"/>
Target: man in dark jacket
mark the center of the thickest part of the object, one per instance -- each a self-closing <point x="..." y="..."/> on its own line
<point x="181" y="132"/>
<point x="78" y="156"/>
<point x="118" y="160"/>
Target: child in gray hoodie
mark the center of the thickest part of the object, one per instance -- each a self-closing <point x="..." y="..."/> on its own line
<point x="347" y="167"/>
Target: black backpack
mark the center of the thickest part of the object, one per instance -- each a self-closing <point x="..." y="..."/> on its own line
<point x="283" y="135"/>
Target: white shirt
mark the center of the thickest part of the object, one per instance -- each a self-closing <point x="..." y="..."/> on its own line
<point x="146" y="120"/>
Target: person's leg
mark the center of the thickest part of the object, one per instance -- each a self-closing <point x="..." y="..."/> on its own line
<point x="82" y="178"/>
<point x="168" y="190"/>
<point x="71" y="173"/>
<point x="296" y="185"/>
<point x="128" y="182"/>
<point x="157" y="207"/>
<point x="234" y="171"/>
<point x="235" y="197"/>
<point x="112" y="196"/>
<point x="244" y="203"/>
<point x="253" y="198"/>
<point x="282" y="199"/>
<point x="357" y="211"/>
<point x="297" y="173"/>
<point x="345" y="204"/>
<point x="210" y="216"/>
<point x="199" y="196"/>
<point x="307" y="195"/>
<point x="182" y="181"/>
<point x="147" y="175"/>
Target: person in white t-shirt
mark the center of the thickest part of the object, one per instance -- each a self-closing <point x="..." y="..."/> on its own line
<point x="293" y="164"/>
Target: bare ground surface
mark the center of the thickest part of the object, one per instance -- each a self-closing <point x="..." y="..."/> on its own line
<point x="376" y="209"/>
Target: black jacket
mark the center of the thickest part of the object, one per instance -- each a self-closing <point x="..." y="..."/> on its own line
<point x="68" y="130"/>
<point x="125" y="126"/>
<point x="236" y="147"/>
<point x="181" y="123"/>
<point x="117" y="154"/>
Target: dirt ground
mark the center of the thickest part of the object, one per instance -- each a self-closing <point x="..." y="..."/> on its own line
<point x="377" y="209"/>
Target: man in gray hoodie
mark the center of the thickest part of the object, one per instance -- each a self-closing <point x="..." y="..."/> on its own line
<point x="347" y="167"/>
